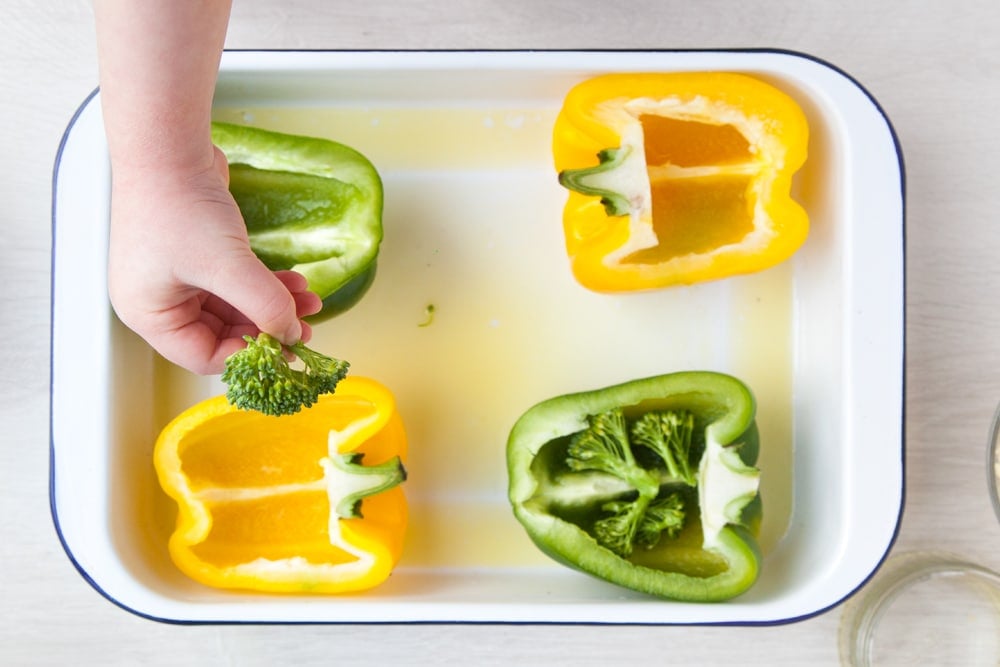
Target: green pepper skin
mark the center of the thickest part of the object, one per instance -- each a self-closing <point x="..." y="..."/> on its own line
<point x="723" y="407"/>
<point x="347" y="296"/>
<point x="310" y="205"/>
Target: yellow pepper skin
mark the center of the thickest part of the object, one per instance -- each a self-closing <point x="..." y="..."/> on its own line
<point x="677" y="178"/>
<point x="258" y="495"/>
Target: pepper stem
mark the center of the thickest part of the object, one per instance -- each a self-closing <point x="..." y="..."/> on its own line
<point x="600" y="180"/>
<point x="354" y="482"/>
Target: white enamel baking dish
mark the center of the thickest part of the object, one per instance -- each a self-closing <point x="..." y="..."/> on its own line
<point x="472" y="222"/>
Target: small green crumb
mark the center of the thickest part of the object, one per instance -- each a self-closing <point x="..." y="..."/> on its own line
<point x="428" y="316"/>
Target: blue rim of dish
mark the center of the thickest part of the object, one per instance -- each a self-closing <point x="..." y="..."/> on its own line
<point x="765" y="623"/>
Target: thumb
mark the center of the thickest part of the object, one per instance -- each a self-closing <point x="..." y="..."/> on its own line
<point x="253" y="289"/>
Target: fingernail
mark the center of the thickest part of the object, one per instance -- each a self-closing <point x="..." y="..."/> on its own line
<point x="293" y="334"/>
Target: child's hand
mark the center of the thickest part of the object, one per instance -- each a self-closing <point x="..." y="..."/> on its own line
<point x="182" y="275"/>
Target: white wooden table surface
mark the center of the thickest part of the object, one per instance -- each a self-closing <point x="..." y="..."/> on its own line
<point x="933" y="65"/>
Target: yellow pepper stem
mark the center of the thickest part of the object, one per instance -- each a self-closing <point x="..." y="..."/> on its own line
<point x="360" y="481"/>
<point x="599" y="180"/>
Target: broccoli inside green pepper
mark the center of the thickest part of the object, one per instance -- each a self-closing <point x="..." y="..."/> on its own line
<point x="628" y="482"/>
<point x="650" y="484"/>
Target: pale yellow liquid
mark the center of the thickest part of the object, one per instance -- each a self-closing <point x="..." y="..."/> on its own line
<point x="473" y="227"/>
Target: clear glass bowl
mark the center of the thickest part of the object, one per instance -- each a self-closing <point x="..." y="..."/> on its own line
<point x="993" y="463"/>
<point x="924" y="609"/>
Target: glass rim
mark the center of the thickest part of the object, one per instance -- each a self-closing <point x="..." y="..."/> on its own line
<point x="993" y="463"/>
<point x="863" y="613"/>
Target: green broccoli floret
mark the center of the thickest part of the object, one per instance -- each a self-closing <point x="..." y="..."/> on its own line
<point x="643" y="515"/>
<point x="664" y="515"/>
<point x="618" y="531"/>
<point x="639" y="522"/>
<point x="669" y="435"/>
<point x="259" y="377"/>
<point x="604" y="446"/>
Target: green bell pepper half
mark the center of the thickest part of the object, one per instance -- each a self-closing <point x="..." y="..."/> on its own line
<point x="649" y="484"/>
<point x="310" y="205"/>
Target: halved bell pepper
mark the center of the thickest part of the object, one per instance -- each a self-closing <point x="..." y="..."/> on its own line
<point x="649" y="484"/>
<point x="305" y="503"/>
<point x="310" y="204"/>
<point x="678" y="178"/>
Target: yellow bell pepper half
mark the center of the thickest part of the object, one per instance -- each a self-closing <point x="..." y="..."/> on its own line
<point x="677" y="178"/>
<point x="285" y="504"/>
